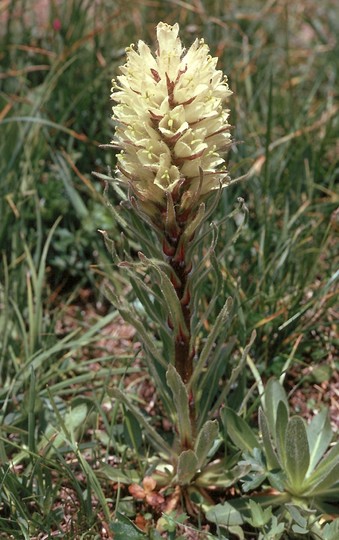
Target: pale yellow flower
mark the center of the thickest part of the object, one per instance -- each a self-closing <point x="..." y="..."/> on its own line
<point x="172" y="126"/>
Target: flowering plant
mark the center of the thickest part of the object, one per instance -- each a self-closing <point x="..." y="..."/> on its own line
<point x="172" y="129"/>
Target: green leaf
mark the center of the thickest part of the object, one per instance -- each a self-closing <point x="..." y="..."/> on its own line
<point x="331" y="530"/>
<point x="328" y="485"/>
<point x="187" y="466"/>
<point x="296" y="515"/>
<point x="280" y="431"/>
<point x="124" y="528"/>
<point x="259" y="516"/>
<point x="171" y="298"/>
<point x="75" y="417"/>
<point x="209" y="387"/>
<point x="319" y="434"/>
<point x="331" y="459"/>
<point x="225" y="514"/>
<point x="223" y="473"/>
<point x="239" y="431"/>
<point x="271" y="458"/>
<point x="235" y="374"/>
<point x="180" y="399"/>
<point x="153" y="436"/>
<point x="205" y="440"/>
<point x="214" y="333"/>
<point x="116" y="475"/>
<point x="132" y="430"/>
<point x="297" y="453"/>
<point x="78" y="204"/>
<point x="324" y="468"/>
<point x="274" y="394"/>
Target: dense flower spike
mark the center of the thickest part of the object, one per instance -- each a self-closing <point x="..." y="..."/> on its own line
<point x="171" y="124"/>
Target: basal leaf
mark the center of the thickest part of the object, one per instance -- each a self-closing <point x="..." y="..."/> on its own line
<point x="328" y="463"/>
<point x="326" y="486"/>
<point x="319" y="434"/>
<point x="116" y="475"/>
<point x="280" y="430"/>
<point x="274" y="393"/>
<point x="297" y="453"/>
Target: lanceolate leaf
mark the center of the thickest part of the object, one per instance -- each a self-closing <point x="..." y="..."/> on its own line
<point x="280" y="431"/>
<point x="272" y="460"/>
<point x="297" y="453"/>
<point x="234" y="374"/>
<point x="209" y="387"/>
<point x="210" y="341"/>
<point x="226" y="514"/>
<point x="169" y="293"/>
<point x="328" y="485"/>
<point x="319" y="434"/>
<point x="274" y="393"/>
<point x="325" y="469"/>
<point x="124" y="528"/>
<point x="205" y="440"/>
<point x="155" y="439"/>
<point x="180" y="399"/>
<point x="239" y="431"/>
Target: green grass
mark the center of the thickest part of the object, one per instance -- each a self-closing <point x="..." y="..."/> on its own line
<point x="60" y="435"/>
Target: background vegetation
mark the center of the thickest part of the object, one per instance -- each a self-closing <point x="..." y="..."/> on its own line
<point x="61" y="345"/>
